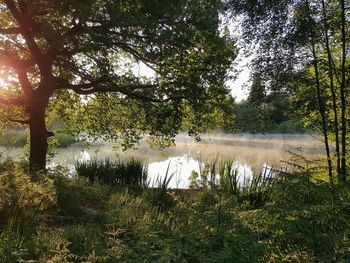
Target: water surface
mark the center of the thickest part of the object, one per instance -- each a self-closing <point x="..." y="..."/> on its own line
<point x="251" y="152"/>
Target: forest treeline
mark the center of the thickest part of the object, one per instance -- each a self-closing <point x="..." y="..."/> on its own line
<point x="266" y="111"/>
<point x="303" y="48"/>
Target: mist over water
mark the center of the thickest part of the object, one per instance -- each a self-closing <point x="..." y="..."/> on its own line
<point x="252" y="153"/>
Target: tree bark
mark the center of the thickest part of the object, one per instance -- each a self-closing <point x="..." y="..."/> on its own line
<point x="333" y="91"/>
<point x="320" y="97"/>
<point x="38" y="134"/>
<point x="343" y="94"/>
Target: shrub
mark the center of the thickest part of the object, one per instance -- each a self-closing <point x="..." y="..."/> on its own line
<point x="22" y="191"/>
<point x="22" y="199"/>
<point x="289" y="126"/>
<point x="13" y="138"/>
<point x="64" y="140"/>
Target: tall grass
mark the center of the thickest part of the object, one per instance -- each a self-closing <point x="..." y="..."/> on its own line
<point x="305" y="219"/>
<point x="120" y="172"/>
<point x="223" y="176"/>
<point x="157" y="195"/>
<point x="18" y="138"/>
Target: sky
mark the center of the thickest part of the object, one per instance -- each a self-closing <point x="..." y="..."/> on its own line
<point x="241" y="73"/>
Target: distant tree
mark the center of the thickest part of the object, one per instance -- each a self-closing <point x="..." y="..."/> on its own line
<point x="266" y="115"/>
<point x="74" y="60"/>
<point x="257" y="93"/>
<point x="281" y="107"/>
<point x="247" y="117"/>
<point x="304" y="43"/>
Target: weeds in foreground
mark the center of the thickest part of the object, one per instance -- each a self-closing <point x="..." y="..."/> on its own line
<point x="223" y="176"/>
<point x="158" y="195"/>
<point x="298" y="222"/>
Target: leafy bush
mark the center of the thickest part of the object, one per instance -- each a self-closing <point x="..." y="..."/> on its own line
<point x="13" y="138"/>
<point x="289" y="126"/>
<point x="223" y="176"/>
<point x="23" y="198"/>
<point x="18" y="138"/>
<point x="21" y="191"/>
<point x="64" y="140"/>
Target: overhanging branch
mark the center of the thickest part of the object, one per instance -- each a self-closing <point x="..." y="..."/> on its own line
<point x="27" y="26"/>
<point x="25" y="83"/>
<point x="19" y="121"/>
<point x="136" y="55"/>
<point x="10" y="59"/>
<point x="16" y="102"/>
<point x="10" y="31"/>
<point x="101" y="85"/>
<point x="105" y="84"/>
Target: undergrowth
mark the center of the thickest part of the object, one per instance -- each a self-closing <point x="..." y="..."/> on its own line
<point x="52" y="219"/>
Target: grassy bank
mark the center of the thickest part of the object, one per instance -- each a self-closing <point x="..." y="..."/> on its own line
<point x="297" y="218"/>
<point x="18" y="138"/>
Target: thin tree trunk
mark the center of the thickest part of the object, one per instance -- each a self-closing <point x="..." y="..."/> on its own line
<point x="343" y="93"/>
<point x="333" y="92"/>
<point x="320" y="99"/>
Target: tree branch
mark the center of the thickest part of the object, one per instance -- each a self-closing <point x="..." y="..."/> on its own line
<point x="17" y="102"/>
<point x="25" y="83"/>
<point x="27" y="26"/>
<point x="19" y="121"/>
<point x="24" y="23"/>
<point x="10" y="31"/>
<point x="101" y="86"/>
<point x="10" y="59"/>
<point x="136" y="55"/>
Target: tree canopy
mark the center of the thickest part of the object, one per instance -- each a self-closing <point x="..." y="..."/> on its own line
<point x="54" y="52"/>
<point x="303" y="46"/>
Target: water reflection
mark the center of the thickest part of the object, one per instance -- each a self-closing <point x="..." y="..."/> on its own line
<point x="253" y="154"/>
<point x="180" y="169"/>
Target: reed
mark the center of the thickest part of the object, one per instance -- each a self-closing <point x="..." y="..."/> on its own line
<point x="120" y="172"/>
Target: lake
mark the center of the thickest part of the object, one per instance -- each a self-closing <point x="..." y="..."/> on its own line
<point x="252" y="153"/>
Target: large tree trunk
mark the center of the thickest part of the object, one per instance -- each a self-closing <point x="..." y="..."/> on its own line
<point x="38" y="134"/>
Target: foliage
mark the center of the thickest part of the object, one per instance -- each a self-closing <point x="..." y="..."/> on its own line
<point x="302" y="219"/>
<point x="23" y="200"/>
<point x="18" y="138"/>
<point x="24" y="193"/>
<point x="302" y="48"/>
<point x="80" y="66"/>
<point x="119" y="172"/>
<point x="13" y="138"/>
<point x="270" y="112"/>
<point x="64" y="140"/>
